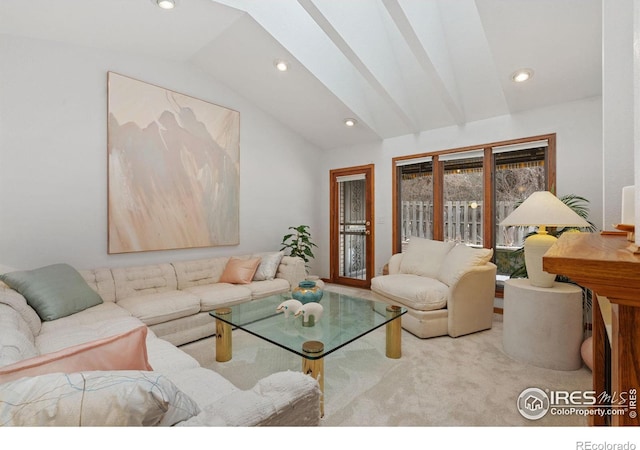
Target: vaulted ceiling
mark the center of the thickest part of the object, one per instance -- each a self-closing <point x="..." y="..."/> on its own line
<point x="397" y="66"/>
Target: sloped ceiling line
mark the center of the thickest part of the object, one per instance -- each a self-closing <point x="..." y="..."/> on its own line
<point x="401" y="21"/>
<point x="358" y="64"/>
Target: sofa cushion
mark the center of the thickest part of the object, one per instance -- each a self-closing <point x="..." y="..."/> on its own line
<point x="424" y="256"/>
<point x="267" y="403"/>
<point x="460" y="259"/>
<point x="414" y="291"/>
<point x="292" y="269"/>
<point x="53" y="291"/>
<point x="126" y="351"/>
<point x="215" y="295"/>
<point x="261" y="289"/>
<point x="199" y="272"/>
<point x="268" y="267"/>
<point x="15" y="346"/>
<point x="168" y="359"/>
<point x="18" y="303"/>
<point x="239" y="271"/>
<point x="53" y="340"/>
<point x="101" y="281"/>
<point x="143" y="280"/>
<point x="16" y="339"/>
<point x="205" y="386"/>
<point x="97" y="314"/>
<point x="162" y="306"/>
<point x="10" y="319"/>
<point x="96" y="398"/>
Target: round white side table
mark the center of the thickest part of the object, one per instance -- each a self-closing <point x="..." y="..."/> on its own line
<point x="543" y="326"/>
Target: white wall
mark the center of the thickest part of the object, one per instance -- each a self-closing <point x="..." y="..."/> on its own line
<point x="53" y="155"/>
<point x="578" y="127"/>
<point x="617" y="105"/>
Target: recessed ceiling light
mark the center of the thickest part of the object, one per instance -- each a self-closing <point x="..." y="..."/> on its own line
<point x="166" y="4"/>
<point x="350" y="122"/>
<point x="281" y="65"/>
<point x="522" y="75"/>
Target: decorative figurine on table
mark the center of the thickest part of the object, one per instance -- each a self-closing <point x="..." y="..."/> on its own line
<point x="311" y="313"/>
<point x="290" y="306"/>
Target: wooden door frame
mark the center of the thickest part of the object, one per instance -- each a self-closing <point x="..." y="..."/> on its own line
<point x="334" y="232"/>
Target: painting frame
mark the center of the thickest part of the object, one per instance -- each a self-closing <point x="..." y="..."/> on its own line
<point x="173" y="177"/>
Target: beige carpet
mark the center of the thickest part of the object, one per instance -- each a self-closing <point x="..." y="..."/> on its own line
<point x="467" y="381"/>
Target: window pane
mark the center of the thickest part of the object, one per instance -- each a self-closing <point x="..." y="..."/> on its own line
<point x="352" y="229"/>
<point x="517" y="175"/>
<point x="462" y="195"/>
<point x="416" y="201"/>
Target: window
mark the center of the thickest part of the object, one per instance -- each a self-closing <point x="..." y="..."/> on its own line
<point x="462" y="195"/>
<point x="416" y="200"/>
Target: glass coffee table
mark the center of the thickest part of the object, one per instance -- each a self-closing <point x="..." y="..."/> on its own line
<point x="344" y="319"/>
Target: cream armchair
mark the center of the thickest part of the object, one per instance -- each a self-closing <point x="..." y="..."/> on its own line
<point x="446" y="288"/>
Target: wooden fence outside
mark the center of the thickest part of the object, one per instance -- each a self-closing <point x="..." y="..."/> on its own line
<point x="462" y="222"/>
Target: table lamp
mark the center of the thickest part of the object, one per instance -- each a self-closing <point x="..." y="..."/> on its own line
<point x="541" y="209"/>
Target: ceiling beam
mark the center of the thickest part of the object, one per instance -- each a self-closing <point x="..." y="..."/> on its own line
<point x="357" y="63"/>
<point x="412" y="39"/>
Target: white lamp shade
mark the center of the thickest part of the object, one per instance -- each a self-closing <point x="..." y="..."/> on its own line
<point x="544" y="209"/>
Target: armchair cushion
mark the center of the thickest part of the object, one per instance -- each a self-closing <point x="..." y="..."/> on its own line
<point x="459" y="260"/>
<point x="424" y="256"/>
<point x="415" y="291"/>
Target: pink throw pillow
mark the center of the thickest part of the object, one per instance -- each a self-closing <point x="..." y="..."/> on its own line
<point x="126" y="351"/>
<point x="240" y="271"/>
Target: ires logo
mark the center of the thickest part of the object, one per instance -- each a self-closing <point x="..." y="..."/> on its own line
<point x="535" y="403"/>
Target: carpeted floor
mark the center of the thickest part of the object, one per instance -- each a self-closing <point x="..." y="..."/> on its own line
<point x="467" y="381"/>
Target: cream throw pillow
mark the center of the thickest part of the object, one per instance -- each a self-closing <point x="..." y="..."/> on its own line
<point x="268" y="267"/>
<point x="98" y="398"/>
<point x="424" y="256"/>
<point x="460" y="259"/>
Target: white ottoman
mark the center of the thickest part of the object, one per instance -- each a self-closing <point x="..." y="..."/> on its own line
<point x="543" y="326"/>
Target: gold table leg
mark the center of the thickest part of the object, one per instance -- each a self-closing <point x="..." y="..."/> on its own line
<point x="394" y="336"/>
<point x="315" y="367"/>
<point x="223" y="336"/>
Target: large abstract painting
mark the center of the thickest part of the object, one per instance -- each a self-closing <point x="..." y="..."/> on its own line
<point x="174" y="169"/>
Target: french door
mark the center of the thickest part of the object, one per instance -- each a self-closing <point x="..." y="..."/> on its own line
<point x="352" y="226"/>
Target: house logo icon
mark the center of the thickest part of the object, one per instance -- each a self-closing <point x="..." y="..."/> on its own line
<point x="533" y="403"/>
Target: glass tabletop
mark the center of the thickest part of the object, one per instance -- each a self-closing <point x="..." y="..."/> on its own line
<point x="344" y="319"/>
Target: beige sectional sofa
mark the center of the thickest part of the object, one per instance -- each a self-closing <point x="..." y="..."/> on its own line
<point x="447" y="288"/>
<point x="120" y="363"/>
<point x="174" y="299"/>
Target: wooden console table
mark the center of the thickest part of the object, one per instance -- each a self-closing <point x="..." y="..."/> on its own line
<point x="603" y="264"/>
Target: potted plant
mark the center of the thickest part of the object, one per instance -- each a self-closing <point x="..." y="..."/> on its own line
<point x="299" y="243"/>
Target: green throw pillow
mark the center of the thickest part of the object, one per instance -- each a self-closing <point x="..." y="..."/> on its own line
<point x="53" y="291"/>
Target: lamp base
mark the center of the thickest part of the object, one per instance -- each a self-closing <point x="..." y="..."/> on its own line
<point x="535" y="246"/>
